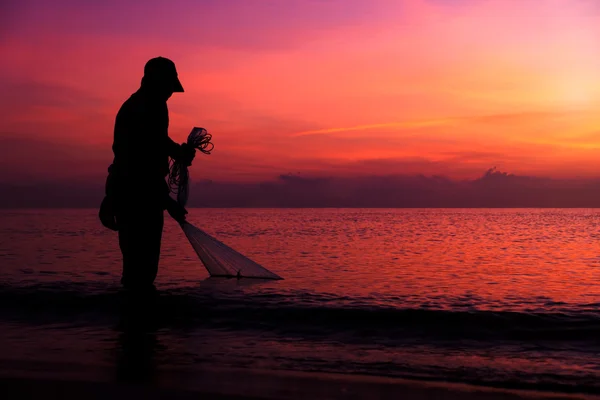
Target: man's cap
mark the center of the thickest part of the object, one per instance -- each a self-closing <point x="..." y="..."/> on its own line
<point x="162" y="69"/>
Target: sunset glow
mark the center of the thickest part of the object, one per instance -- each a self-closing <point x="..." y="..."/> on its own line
<point x="311" y="87"/>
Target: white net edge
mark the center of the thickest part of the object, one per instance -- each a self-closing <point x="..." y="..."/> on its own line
<point x="221" y="260"/>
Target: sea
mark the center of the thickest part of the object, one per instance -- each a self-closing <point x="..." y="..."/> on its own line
<point x="495" y="297"/>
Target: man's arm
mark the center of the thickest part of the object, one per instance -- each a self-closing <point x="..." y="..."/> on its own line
<point x="173" y="149"/>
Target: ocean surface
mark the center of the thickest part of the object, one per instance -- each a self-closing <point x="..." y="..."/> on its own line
<point x="495" y="297"/>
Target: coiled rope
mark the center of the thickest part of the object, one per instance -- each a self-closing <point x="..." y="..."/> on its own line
<point x="198" y="139"/>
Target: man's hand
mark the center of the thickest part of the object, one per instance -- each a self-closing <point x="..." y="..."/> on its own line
<point x="107" y="214"/>
<point x="187" y="154"/>
<point x="176" y="211"/>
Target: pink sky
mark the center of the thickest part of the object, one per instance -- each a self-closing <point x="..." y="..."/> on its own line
<point x="321" y="88"/>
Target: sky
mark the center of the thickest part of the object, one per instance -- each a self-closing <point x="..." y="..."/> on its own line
<point x="317" y="88"/>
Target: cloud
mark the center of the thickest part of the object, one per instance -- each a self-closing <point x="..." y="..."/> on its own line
<point x="493" y="119"/>
<point x="31" y="93"/>
<point x="238" y="25"/>
<point x="53" y="112"/>
<point x="493" y="188"/>
<point x="321" y="87"/>
<point x="385" y="125"/>
<point x="34" y="161"/>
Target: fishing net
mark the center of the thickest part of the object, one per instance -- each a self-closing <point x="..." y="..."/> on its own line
<point x="221" y="260"/>
<point x="218" y="258"/>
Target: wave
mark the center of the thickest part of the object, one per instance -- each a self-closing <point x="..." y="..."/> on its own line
<point x="300" y="313"/>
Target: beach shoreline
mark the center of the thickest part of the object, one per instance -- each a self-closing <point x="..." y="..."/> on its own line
<point x="41" y="380"/>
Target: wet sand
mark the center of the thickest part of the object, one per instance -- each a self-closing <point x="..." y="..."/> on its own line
<point x="51" y="381"/>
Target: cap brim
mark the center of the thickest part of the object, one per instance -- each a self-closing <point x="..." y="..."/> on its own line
<point x="178" y="87"/>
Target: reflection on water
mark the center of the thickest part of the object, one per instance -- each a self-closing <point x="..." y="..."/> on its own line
<point x="137" y="341"/>
<point x="476" y="295"/>
<point x="486" y="258"/>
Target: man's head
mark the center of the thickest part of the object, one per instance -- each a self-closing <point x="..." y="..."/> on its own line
<point x="160" y="76"/>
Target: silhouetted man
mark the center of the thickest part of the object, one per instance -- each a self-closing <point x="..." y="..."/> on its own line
<point x="136" y="189"/>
